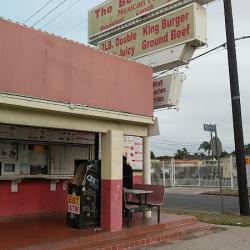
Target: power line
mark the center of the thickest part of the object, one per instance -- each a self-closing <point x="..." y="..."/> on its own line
<point x="176" y="144"/>
<point x="184" y="142"/>
<point x="223" y="45"/>
<point x="162" y="139"/>
<point x="49" y="13"/>
<point x="38" y="11"/>
<point x="52" y="20"/>
<point x="75" y="26"/>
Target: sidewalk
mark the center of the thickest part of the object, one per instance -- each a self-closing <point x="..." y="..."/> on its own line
<point x="188" y="190"/>
<point x="233" y="238"/>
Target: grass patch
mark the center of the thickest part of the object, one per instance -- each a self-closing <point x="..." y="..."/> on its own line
<point x="213" y="218"/>
<point x="226" y="192"/>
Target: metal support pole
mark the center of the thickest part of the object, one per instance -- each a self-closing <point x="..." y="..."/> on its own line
<point x="146" y="168"/>
<point x="236" y="110"/>
<point x="211" y="137"/>
<point x="220" y="173"/>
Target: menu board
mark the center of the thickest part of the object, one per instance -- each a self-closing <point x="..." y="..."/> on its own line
<point x="133" y="150"/>
<point x="46" y="135"/>
<point x="8" y="152"/>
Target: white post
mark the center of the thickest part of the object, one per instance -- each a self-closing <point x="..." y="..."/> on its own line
<point x="146" y="161"/>
<point x="163" y="173"/>
<point x="172" y="172"/>
<point x="146" y="167"/>
<point x="231" y="171"/>
<point x="199" y="174"/>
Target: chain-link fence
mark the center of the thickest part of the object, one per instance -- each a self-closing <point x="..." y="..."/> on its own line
<point x="195" y="173"/>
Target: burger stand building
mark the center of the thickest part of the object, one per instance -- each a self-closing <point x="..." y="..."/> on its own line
<point x="60" y="101"/>
<point x="57" y="99"/>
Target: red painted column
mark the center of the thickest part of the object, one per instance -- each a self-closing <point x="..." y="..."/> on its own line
<point x="111" y="201"/>
<point x="111" y="181"/>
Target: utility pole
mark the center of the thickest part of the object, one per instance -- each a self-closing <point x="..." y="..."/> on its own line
<point x="236" y="110"/>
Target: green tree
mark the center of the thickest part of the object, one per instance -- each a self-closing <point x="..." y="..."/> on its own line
<point x="225" y="154"/>
<point x="152" y="155"/>
<point x="182" y="154"/>
<point x="163" y="157"/>
<point x="247" y="149"/>
<point x="205" y="146"/>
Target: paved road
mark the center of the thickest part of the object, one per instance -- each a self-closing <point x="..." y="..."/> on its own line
<point x="208" y="203"/>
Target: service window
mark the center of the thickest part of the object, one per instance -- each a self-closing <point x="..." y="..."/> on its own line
<point x="33" y="159"/>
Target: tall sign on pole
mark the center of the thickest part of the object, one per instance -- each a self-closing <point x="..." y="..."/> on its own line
<point x="167" y="91"/>
<point x="114" y="16"/>
<point x="185" y="25"/>
<point x="236" y="110"/>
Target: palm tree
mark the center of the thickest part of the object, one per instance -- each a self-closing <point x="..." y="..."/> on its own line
<point x="152" y="155"/>
<point x="247" y="148"/>
<point x="182" y="154"/>
<point x="205" y="146"/>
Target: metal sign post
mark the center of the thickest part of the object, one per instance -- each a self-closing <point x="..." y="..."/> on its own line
<point x="216" y="147"/>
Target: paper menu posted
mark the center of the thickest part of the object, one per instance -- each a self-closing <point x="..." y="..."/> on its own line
<point x="24" y="168"/>
<point x="133" y="150"/>
<point x="23" y="153"/>
<point x="8" y="151"/>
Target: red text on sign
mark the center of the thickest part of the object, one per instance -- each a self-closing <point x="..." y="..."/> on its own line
<point x="103" y="11"/>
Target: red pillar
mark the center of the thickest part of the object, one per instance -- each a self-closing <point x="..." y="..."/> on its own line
<point x="111" y="205"/>
<point x="111" y="183"/>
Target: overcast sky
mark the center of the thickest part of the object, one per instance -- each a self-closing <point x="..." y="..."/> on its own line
<point x="206" y="91"/>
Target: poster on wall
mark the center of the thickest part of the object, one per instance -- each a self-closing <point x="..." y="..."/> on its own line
<point x="8" y="152"/>
<point x="46" y="135"/>
<point x="133" y="150"/>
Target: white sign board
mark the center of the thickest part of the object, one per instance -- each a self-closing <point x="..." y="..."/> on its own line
<point x="168" y="58"/>
<point x="209" y="127"/>
<point x="185" y="25"/>
<point x="133" y="150"/>
<point x="45" y="135"/>
<point x="167" y="91"/>
<point x="111" y="14"/>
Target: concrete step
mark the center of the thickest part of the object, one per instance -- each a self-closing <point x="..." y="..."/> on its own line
<point x="132" y="238"/>
<point x="147" y="239"/>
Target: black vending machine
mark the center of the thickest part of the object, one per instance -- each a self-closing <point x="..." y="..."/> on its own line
<point x="84" y="195"/>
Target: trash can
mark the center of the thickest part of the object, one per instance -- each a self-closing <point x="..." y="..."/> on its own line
<point x="84" y="196"/>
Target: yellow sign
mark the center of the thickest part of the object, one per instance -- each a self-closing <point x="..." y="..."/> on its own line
<point x="73" y="199"/>
<point x="172" y="29"/>
<point x="248" y="161"/>
<point x="116" y="12"/>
